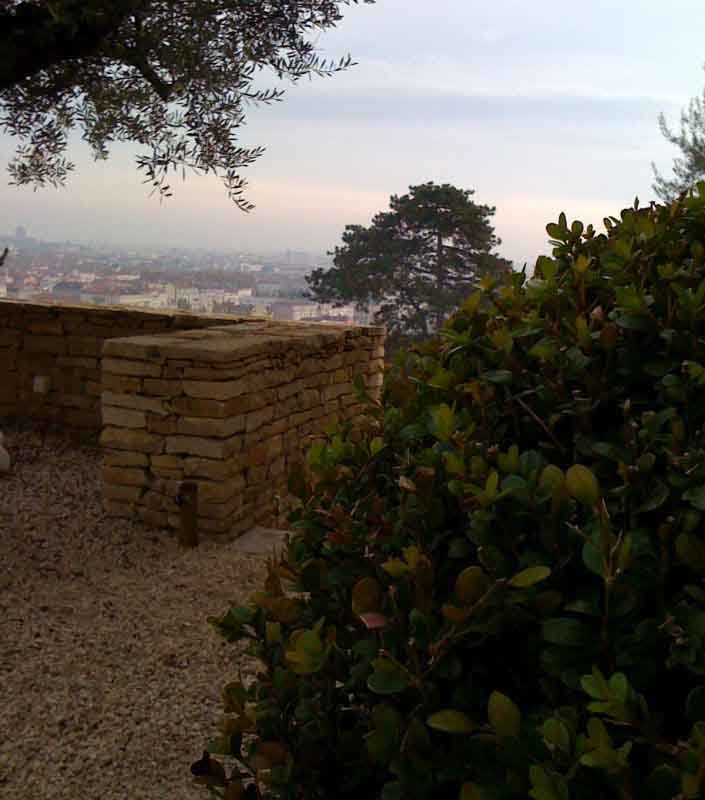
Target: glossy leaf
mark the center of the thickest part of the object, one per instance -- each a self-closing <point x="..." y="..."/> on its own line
<point x="504" y="715"/>
<point x="582" y="485"/>
<point x="450" y="721"/>
<point x="366" y="595"/>
<point x="470" y="585"/>
<point x="529" y="577"/>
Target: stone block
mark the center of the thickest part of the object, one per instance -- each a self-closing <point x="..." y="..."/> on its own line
<point x="123" y="458"/>
<point x="307" y="398"/>
<point x="191" y="407"/>
<point x="257" y="474"/>
<point x="75" y="400"/>
<point x="285" y="408"/>
<point x="77" y="362"/>
<point x="256" y="419"/>
<point x="303" y="416"/>
<point x="210" y="510"/>
<point x="38" y="363"/>
<point x="212" y="428"/>
<point x="83" y="346"/>
<point x="122" y="494"/>
<point x="121" y="384"/>
<point x="219" y="409"/>
<point x="214" y="470"/>
<point x="166" y="462"/>
<point x="172" y="373"/>
<point x="290" y="389"/>
<point x="118" y="346"/>
<point x="311" y="367"/>
<point x="200" y="446"/>
<point x="136" y="402"/>
<point x="8" y="361"/>
<point x="125" y="476"/>
<point x="335" y="391"/>
<point x="10" y="338"/>
<point x="168" y="474"/>
<point x="277" y="467"/>
<point x="217" y="390"/>
<point x="162" y="425"/>
<point x="45" y="344"/>
<point x="335" y="362"/>
<point x="274" y="428"/>
<point x="134" y="440"/>
<point x="292" y="441"/>
<point x="220" y="491"/>
<point x="255" y="455"/>
<point x="118" y="508"/>
<point x="87" y="330"/>
<point x="8" y="410"/>
<point x="162" y="388"/>
<point x="167" y="487"/>
<point x="48" y="327"/>
<point x="124" y="417"/>
<point x="280" y="377"/>
<point x="231" y="371"/>
<point x="63" y="382"/>
<point x="138" y="369"/>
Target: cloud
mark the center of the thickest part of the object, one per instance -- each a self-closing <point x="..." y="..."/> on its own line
<point x="420" y="106"/>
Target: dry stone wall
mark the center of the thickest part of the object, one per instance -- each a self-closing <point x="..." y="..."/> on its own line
<point x="50" y="356"/>
<point x="231" y="409"/>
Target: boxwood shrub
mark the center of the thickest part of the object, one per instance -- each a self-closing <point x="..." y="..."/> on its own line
<point x="495" y="588"/>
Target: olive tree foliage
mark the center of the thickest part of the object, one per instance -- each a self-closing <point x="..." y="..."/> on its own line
<point x="174" y="78"/>
<point x="416" y="262"/>
<point x="689" y="168"/>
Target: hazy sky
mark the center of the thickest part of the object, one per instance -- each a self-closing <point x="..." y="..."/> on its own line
<point x="540" y="107"/>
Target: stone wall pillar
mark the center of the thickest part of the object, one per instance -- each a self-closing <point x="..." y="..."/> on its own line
<point x="229" y="408"/>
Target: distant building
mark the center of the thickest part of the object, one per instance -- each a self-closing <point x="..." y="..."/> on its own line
<point x="68" y="290"/>
<point x="144" y="300"/>
<point x="298" y="311"/>
<point x="268" y="289"/>
<point x="101" y="293"/>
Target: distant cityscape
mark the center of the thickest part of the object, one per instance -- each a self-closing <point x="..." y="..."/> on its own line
<point x="241" y="283"/>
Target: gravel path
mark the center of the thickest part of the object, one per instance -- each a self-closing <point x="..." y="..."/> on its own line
<point x="110" y="676"/>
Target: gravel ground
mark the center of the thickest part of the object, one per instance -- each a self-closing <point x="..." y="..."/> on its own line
<point x="110" y="676"/>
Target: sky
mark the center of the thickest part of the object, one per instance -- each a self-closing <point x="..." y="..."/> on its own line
<point x="538" y="107"/>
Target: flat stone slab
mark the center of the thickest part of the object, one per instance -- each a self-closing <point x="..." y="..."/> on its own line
<point x="260" y="541"/>
<point x="238" y="340"/>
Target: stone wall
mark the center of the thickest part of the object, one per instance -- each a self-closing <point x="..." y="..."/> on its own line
<point x="50" y="356"/>
<point x="230" y="409"/>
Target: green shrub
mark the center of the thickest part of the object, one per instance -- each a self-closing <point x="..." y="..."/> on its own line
<point x="503" y="565"/>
